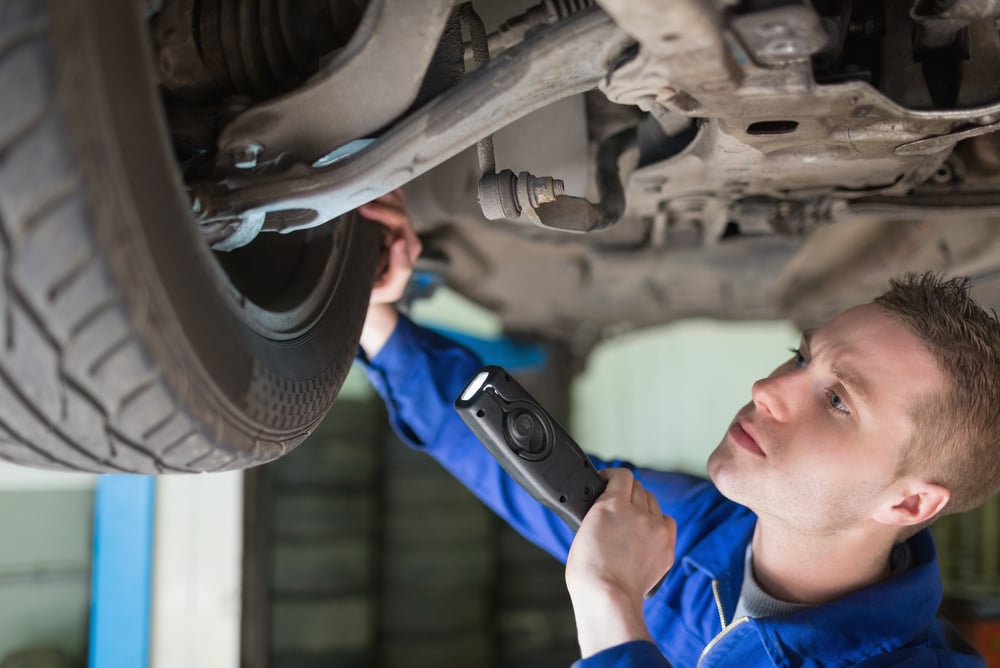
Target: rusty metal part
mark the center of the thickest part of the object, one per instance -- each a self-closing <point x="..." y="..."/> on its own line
<point x="513" y="31"/>
<point x="781" y="35"/>
<point x="932" y="145"/>
<point x="981" y="155"/>
<point x="207" y="50"/>
<point x="568" y="58"/>
<point x="365" y="86"/>
<point x="966" y="9"/>
<point x="683" y="48"/>
<point x="956" y="43"/>
<point x="543" y="201"/>
<point x="767" y="130"/>
<point x="744" y="222"/>
<point x="481" y="57"/>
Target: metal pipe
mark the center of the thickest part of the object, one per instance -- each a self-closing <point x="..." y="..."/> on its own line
<point x="481" y="57"/>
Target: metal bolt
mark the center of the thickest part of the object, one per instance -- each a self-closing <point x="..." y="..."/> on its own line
<point x="944" y="174"/>
<point x="544" y="189"/>
<point x="239" y="231"/>
<point x="772" y="30"/>
<point x="244" y="156"/>
<point x="168" y="62"/>
<point x="785" y="49"/>
<point x="866" y="27"/>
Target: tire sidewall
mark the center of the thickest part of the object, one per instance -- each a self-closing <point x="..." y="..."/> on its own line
<point x="254" y="395"/>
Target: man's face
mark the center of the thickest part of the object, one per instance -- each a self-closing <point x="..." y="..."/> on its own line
<point x="821" y="440"/>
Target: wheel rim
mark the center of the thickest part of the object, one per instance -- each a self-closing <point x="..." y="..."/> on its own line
<point x="280" y="285"/>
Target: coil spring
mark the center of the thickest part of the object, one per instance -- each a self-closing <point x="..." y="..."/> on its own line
<point x="557" y="10"/>
<point x="262" y="47"/>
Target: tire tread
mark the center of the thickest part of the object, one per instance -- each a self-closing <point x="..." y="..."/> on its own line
<point x="34" y="209"/>
<point x="95" y="373"/>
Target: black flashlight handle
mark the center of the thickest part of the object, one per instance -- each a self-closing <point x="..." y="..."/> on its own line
<point x="529" y="444"/>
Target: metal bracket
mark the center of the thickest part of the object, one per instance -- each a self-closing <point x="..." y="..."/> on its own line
<point x="933" y="145"/>
<point x="367" y="85"/>
<point x="541" y="200"/>
<point x="782" y="34"/>
<point x="683" y="43"/>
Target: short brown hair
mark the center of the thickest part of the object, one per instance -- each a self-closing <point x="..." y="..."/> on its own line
<point x="956" y="440"/>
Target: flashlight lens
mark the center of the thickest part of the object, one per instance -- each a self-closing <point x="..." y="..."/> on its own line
<point x="475" y="385"/>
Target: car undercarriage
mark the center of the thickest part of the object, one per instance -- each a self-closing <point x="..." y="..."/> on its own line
<point x="741" y="160"/>
<point x="185" y="276"/>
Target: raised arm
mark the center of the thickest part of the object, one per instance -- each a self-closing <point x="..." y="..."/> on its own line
<point x="420" y="373"/>
<point x="401" y="248"/>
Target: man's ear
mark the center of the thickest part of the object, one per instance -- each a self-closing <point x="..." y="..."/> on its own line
<point x="912" y="502"/>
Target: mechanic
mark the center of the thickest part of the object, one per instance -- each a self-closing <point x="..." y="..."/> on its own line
<point x="808" y="546"/>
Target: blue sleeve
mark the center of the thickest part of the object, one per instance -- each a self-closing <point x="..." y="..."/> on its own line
<point x="419" y="373"/>
<point x="636" y="654"/>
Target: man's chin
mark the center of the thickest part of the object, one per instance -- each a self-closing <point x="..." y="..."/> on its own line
<point x="721" y="457"/>
<point x="724" y="472"/>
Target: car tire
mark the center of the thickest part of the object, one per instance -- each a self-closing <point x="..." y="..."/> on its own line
<point x="126" y="344"/>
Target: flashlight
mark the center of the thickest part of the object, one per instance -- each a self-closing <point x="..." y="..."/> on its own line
<point x="529" y="444"/>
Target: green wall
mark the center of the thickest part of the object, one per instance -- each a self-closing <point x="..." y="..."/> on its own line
<point x="664" y="397"/>
<point x="45" y="569"/>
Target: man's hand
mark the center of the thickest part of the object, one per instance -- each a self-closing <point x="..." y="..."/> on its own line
<point x="622" y="550"/>
<point x="400" y="249"/>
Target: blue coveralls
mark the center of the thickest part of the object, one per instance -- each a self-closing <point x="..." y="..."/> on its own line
<point x="892" y="623"/>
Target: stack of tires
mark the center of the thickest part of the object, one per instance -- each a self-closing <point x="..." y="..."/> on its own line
<point x="369" y="554"/>
<point x="437" y="567"/>
<point x="534" y="619"/>
<point x="324" y="556"/>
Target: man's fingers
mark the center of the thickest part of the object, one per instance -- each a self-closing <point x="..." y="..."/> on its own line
<point x="639" y="495"/>
<point x="392" y="200"/>
<point x="389" y="210"/>
<point x="650" y="503"/>
<point x="627" y="543"/>
<point x="395" y="197"/>
<point x="389" y="215"/>
<point x="392" y="283"/>
<point x="622" y="484"/>
<point x="645" y="500"/>
<point x="399" y="262"/>
<point x="413" y="247"/>
<point x="619" y="483"/>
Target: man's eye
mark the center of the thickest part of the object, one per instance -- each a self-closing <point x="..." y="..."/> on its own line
<point x="799" y="358"/>
<point x="837" y="403"/>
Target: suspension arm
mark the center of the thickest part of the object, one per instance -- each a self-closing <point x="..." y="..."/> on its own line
<point x="571" y="57"/>
<point x="367" y="84"/>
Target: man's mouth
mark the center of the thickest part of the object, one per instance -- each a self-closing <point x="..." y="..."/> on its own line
<point x="742" y="436"/>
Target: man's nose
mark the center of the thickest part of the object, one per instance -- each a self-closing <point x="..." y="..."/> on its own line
<point x="771" y="395"/>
